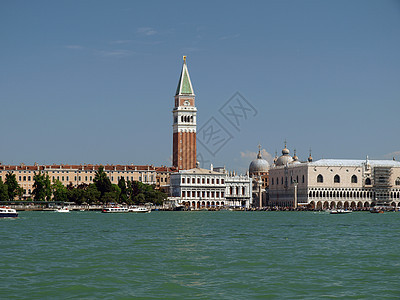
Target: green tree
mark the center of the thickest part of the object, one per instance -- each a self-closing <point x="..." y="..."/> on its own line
<point x="92" y="194"/>
<point x="123" y="197"/>
<point x="3" y="191"/>
<point x="102" y="181"/>
<point x="142" y="193"/>
<point x="41" y="187"/>
<point x="12" y="186"/>
<point x="60" y="192"/>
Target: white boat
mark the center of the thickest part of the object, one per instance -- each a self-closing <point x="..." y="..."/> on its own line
<point x="340" y="211"/>
<point x="115" y="209"/>
<point x="62" y="210"/>
<point x="139" y="209"/>
<point x="6" y="212"/>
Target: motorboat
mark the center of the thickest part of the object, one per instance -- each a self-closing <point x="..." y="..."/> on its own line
<point x="62" y="210"/>
<point x="376" y="210"/>
<point x="139" y="209"/>
<point x="340" y="211"/>
<point x="115" y="209"/>
<point x="6" y="212"/>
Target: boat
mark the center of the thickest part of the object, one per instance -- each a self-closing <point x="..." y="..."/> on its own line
<point x="62" y="210"/>
<point x="376" y="210"/>
<point x="6" y="212"/>
<point x="340" y="211"/>
<point x="139" y="209"/>
<point x="115" y="209"/>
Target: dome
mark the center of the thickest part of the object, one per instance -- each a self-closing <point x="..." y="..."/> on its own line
<point x="285" y="158"/>
<point x="295" y="158"/>
<point x="259" y="165"/>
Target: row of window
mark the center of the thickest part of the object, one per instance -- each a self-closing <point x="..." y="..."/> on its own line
<point x="203" y="180"/>
<point x="80" y="171"/>
<point x="66" y="178"/>
<point x="203" y="194"/>
<point x="354" y="179"/>
<point x="291" y="180"/>
<point x="339" y="194"/>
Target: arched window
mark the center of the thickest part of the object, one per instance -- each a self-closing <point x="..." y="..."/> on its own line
<point x="368" y="181"/>
<point x="354" y="179"/>
<point x="336" y="179"/>
<point x="272" y="181"/>
<point x="397" y="181"/>
<point x="320" y="178"/>
<point x="303" y="178"/>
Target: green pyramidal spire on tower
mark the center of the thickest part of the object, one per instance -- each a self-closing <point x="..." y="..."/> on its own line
<point x="184" y="84"/>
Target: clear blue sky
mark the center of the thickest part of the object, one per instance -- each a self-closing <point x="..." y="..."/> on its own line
<point x="94" y="81"/>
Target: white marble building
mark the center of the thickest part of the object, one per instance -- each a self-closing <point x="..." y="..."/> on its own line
<point x="333" y="183"/>
<point x="200" y="188"/>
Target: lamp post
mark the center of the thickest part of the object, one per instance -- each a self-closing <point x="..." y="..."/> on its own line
<point x="295" y="195"/>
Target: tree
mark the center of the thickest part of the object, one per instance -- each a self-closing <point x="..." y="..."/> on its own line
<point x="12" y="186"/>
<point x="123" y="197"/>
<point x="41" y="187"/>
<point x="92" y="194"/>
<point x="102" y="182"/>
<point x="60" y="192"/>
<point x="3" y="191"/>
<point x="142" y="193"/>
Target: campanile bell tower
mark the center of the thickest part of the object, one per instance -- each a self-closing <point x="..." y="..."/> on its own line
<point x="184" y="126"/>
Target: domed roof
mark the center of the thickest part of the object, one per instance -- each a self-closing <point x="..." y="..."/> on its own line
<point x="259" y="165"/>
<point x="295" y="158"/>
<point x="285" y="158"/>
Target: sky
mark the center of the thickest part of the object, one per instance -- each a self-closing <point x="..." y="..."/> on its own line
<point x="94" y="81"/>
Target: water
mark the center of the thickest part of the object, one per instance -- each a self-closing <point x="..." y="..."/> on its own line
<point x="200" y="255"/>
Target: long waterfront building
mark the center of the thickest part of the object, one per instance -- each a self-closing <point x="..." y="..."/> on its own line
<point x="79" y="174"/>
<point x="333" y="183"/>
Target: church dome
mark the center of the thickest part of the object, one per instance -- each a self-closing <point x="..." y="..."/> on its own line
<point x="285" y="158"/>
<point x="259" y="165"/>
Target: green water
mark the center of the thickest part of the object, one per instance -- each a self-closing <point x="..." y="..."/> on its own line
<point x="200" y="255"/>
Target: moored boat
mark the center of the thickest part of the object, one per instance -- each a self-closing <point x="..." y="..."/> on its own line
<point x="6" y="212"/>
<point x="139" y="209"/>
<point x="340" y="211"/>
<point x="376" y="210"/>
<point x="114" y="209"/>
<point x="62" y="210"/>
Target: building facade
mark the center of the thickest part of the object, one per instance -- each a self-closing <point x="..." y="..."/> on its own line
<point x="334" y="183"/>
<point x="200" y="188"/>
<point x="84" y="174"/>
<point x="184" y="123"/>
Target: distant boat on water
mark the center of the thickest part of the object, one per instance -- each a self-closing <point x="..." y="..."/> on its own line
<point x="115" y="209"/>
<point x="340" y="211"/>
<point x="139" y="209"/>
<point x="6" y="212"/>
<point x="62" y="210"/>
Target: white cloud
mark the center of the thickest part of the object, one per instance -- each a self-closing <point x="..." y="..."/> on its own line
<point x="146" y="31"/>
<point x="251" y="155"/>
<point x="74" y="47"/>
